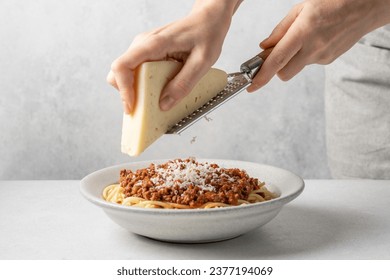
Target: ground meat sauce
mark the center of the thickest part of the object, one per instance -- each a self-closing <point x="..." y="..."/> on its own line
<point x="188" y="182"/>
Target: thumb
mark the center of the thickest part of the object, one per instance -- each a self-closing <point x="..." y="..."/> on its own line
<point x="183" y="83"/>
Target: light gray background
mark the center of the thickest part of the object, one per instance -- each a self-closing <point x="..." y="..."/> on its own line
<point x="60" y="120"/>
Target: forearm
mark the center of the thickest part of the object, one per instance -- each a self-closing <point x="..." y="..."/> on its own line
<point x="217" y="16"/>
<point x="227" y="6"/>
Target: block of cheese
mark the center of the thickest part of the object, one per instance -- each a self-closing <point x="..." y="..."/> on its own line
<point x="147" y="121"/>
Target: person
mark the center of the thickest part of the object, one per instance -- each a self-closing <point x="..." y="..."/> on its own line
<point x="357" y="86"/>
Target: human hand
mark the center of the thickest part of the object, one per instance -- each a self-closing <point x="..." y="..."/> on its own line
<point x="195" y="40"/>
<point x="318" y="31"/>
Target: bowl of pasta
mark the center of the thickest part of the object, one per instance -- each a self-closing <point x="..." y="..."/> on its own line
<point x="191" y="200"/>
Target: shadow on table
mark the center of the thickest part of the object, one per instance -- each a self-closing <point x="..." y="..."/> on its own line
<point x="297" y="232"/>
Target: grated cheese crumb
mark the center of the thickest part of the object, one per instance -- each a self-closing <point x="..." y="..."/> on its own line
<point x="187" y="173"/>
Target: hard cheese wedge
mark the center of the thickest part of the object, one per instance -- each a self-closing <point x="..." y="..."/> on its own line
<point x="147" y="122"/>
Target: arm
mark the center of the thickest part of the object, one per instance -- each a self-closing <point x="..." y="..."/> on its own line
<point x="318" y="31"/>
<point x="195" y="40"/>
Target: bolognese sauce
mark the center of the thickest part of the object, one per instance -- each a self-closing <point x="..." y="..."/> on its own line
<point x="190" y="183"/>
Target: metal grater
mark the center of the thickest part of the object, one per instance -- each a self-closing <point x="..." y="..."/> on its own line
<point x="237" y="82"/>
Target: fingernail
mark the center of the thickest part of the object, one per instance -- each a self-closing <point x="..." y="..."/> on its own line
<point x="167" y="103"/>
<point x="127" y="108"/>
<point x="252" y="88"/>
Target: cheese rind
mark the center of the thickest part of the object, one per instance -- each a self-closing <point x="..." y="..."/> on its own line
<point x="148" y="122"/>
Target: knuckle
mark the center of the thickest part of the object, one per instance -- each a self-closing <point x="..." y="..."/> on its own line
<point x="325" y="58"/>
<point x="210" y="56"/>
<point x="279" y="60"/>
<point x="202" y="57"/>
<point x="110" y="77"/>
<point x="117" y="65"/>
<point x="125" y="95"/>
<point x="284" y="76"/>
<point x="298" y="7"/>
<point x="156" y="40"/>
<point x="110" y="80"/>
<point x="184" y="87"/>
<point x="140" y="36"/>
<point x="150" y="43"/>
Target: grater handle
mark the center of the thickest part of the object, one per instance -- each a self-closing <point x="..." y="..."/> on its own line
<point x="253" y="65"/>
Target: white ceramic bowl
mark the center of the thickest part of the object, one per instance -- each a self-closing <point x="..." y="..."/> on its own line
<point x="195" y="225"/>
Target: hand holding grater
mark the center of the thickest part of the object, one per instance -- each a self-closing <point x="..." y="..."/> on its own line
<point x="237" y="82"/>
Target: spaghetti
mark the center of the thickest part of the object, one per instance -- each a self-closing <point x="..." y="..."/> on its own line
<point x="186" y="184"/>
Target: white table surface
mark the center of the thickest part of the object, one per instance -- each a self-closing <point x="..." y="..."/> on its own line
<point x="331" y="219"/>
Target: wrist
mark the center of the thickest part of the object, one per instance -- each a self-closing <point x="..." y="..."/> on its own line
<point x="228" y="7"/>
<point x="382" y="11"/>
<point x="366" y="15"/>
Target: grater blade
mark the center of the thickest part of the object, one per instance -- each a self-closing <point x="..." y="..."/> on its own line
<point x="237" y="82"/>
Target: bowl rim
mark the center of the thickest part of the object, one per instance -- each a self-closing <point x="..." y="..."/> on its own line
<point x="266" y="205"/>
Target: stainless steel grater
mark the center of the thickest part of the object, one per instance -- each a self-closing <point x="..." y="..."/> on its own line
<point x="237" y="82"/>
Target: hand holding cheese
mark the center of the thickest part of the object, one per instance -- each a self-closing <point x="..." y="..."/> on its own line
<point x="196" y="40"/>
<point x="148" y="122"/>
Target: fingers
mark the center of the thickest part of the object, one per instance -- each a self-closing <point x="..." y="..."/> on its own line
<point x="281" y="29"/>
<point x="111" y="79"/>
<point x="193" y="70"/>
<point x="280" y="56"/>
<point x="286" y="40"/>
<point x="293" y="67"/>
<point x="121" y="75"/>
<point x="149" y="47"/>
